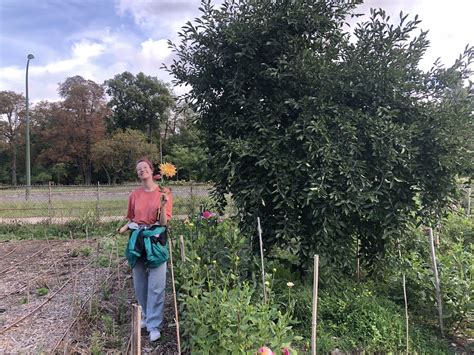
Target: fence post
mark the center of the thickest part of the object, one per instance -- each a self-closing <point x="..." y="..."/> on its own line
<point x="468" y="208"/>
<point x="98" y="201"/>
<point x="192" y="199"/>
<point x="49" y="202"/>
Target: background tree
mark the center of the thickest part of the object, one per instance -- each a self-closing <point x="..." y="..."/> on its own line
<point x="328" y="139"/>
<point x="12" y="107"/>
<point x="118" y="154"/>
<point x="84" y="109"/>
<point x="185" y="146"/>
<point x="139" y="102"/>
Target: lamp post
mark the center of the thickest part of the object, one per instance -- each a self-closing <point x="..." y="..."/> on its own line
<point x="28" y="172"/>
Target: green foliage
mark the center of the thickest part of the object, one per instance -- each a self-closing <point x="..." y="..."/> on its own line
<point x="55" y="231"/>
<point x="327" y="139"/>
<point x="42" y="291"/>
<point x="138" y="102"/>
<point x="118" y="154"/>
<point x="222" y="308"/>
<point x="455" y="260"/>
<point x="232" y="321"/>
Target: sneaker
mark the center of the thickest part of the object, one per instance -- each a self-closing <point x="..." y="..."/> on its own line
<point x="155" y="335"/>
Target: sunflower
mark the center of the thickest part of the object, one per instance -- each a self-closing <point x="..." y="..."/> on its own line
<point x="168" y="170"/>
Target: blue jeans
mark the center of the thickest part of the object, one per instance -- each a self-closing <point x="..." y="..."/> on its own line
<point x="149" y="287"/>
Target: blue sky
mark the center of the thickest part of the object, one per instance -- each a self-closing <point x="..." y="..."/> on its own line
<point x="101" y="38"/>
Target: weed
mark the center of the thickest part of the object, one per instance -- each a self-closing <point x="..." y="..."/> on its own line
<point x="42" y="291"/>
<point x="86" y="251"/>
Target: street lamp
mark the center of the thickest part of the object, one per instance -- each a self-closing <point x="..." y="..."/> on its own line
<point x="28" y="171"/>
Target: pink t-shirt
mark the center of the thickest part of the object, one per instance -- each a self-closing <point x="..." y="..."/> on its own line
<point x="143" y="206"/>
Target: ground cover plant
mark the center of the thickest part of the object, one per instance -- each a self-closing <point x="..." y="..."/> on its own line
<point x="353" y="316"/>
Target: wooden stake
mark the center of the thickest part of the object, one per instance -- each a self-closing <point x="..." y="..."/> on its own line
<point x="95" y="276"/>
<point x="261" y="257"/>
<point x="136" y="339"/>
<point x="314" y="321"/>
<point x="358" y="262"/>
<point x="437" y="285"/>
<point x="181" y="245"/>
<point x="468" y="208"/>
<point x="405" y="299"/>
<point x="176" y="318"/>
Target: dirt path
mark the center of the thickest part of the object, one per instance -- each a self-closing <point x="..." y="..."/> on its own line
<point x="33" y="322"/>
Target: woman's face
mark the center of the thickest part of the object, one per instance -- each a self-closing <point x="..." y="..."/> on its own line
<point x="143" y="171"/>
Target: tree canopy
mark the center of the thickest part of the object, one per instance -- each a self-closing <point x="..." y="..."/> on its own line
<point x="139" y="102"/>
<point x="329" y="135"/>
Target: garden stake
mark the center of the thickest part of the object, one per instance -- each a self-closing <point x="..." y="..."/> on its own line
<point x="181" y="245"/>
<point x="174" y="297"/>
<point x="437" y="286"/>
<point x="261" y="257"/>
<point x="358" y="262"/>
<point x="136" y="330"/>
<point x="314" y="321"/>
<point x="468" y="208"/>
<point x="95" y="275"/>
<point x="404" y="297"/>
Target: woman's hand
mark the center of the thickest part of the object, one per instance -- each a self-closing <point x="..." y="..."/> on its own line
<point x="164" y="200"/>
<point x="123" y="229"/>
<point x="162" y="215"/>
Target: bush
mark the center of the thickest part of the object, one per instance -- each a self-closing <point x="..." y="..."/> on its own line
<point x="352" y="317"/>
<point x="231" y="321"/>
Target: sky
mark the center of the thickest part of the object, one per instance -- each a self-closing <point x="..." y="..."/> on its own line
<point x="98" y="39"/>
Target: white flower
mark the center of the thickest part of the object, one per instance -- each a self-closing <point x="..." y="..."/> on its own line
<point x="290" y="284"/>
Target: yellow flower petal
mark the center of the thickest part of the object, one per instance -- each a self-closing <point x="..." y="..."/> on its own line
<point x="168" y="170"/>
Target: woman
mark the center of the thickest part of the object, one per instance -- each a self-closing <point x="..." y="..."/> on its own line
<point x="149" y="210"/>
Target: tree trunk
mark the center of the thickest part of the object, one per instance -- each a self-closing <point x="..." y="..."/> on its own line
<point x="14" y="182"/>
<point x="108" y="176"/>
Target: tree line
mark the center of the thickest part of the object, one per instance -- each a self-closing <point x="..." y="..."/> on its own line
<point x="96" y="132"/>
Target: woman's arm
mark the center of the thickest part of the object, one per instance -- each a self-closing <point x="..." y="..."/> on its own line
<point x="163" y="216"/>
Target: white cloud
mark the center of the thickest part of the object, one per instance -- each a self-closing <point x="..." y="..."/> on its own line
<point x="159" y="18"/>
<point x="98" y="57"/>
<point x="100" y="53"/>
<point x="449" y="24"/>
<point x="157" y="50"/>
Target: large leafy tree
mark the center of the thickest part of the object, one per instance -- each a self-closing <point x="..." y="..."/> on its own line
<point x="118" y="154"/>
<point x="139" y="102"/>
<point x="67" y="130"/>
<point x="12" y="107"/>
<point x="327" y="138"/>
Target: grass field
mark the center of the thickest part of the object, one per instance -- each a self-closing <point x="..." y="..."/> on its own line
<point x="78" y="208"/>
<point x="80" y="201"/>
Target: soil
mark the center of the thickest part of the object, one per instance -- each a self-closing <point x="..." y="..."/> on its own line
<point x="45" y="293"/>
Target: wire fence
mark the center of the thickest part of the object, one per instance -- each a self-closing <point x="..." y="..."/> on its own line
<point x="59" y="203"/>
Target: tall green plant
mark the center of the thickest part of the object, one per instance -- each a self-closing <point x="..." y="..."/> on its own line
<point x="327" y="139"/>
